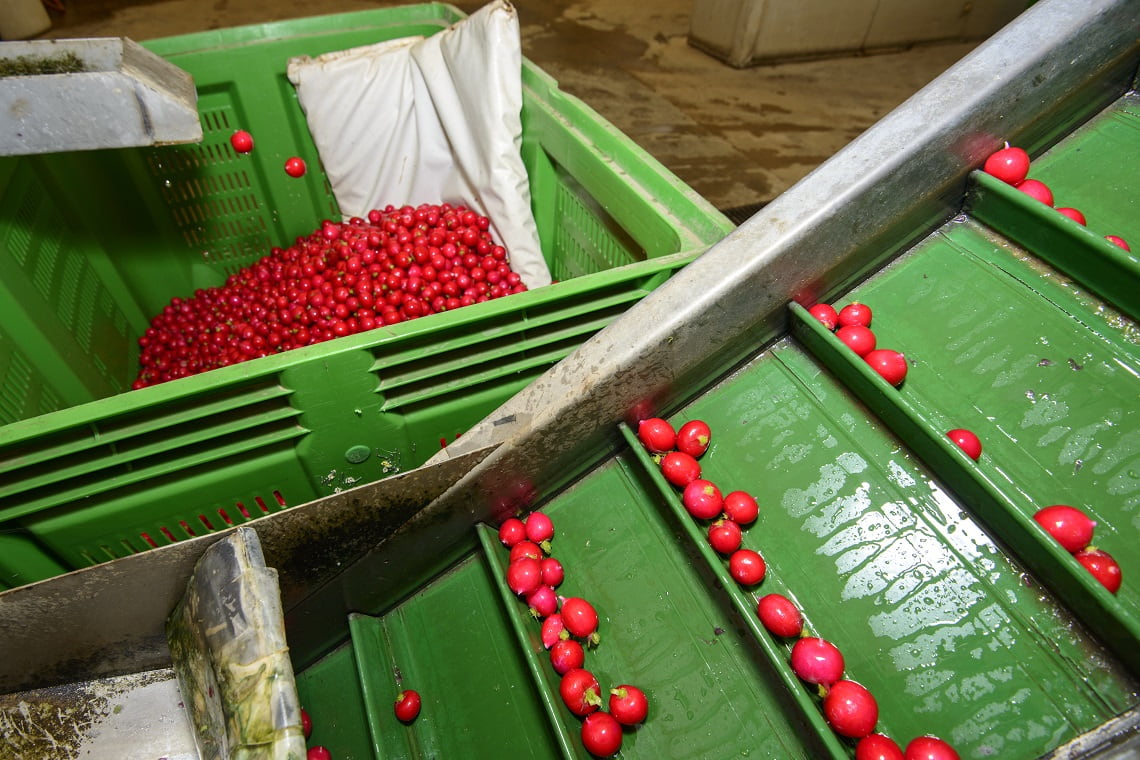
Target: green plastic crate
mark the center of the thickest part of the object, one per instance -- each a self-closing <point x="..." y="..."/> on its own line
<point x="93" y="244"/>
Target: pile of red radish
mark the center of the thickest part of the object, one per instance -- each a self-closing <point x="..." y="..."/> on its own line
<point x="344" y="278"/>
<point x="849" y="708"/>
<point x="1011" y="165"/>
<point x="569" y="628"/>
<point x="852" y="325"/>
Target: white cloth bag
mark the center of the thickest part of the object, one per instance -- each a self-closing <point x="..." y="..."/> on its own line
<point x="429" y="120"/>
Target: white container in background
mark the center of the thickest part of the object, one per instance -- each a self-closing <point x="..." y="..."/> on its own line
<point x="21" y="19"/>
<point x="747" y="32"/>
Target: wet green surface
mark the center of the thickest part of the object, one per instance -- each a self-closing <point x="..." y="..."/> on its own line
<point x="330" y="693"/>
<point x="1096" y="169"/>
<point x="664" y="628"/>
<point x="452" y="644"/>
<point x="951" y="636"/>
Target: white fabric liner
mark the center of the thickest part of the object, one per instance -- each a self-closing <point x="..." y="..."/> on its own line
<point x="429" y="120"/>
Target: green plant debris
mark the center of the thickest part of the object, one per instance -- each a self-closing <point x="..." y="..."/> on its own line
<point x="26" y="65"/>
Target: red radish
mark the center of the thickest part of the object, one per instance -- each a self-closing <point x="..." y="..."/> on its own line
<point x="855" y="314"/>
<point x="566" y="655"/>
<point x="407" y="705"/>
<point x="1072" y="213"/>
<point x="524" y="575"/>
<point x="512" y="531"/>
<point x="628" y="704"/>
<point x="295" y="167"/>
<point x="656" y="435"/>
<point x="552" y="572"/>
<point x="929" y="748"/>
<point x="878" y="747"/>
<point x="543" y="601"/>
<point x="601" y="734"/>
<point x="966" y="441"/>
<point x="741" y="507"/>
<point x="580" y="619"/>
<point x="780" y="615"/>
<point x="850" y="709"/>
<point x="1037" y="190"/>
<point x="525" y="550"/>
<point x="552" y="629"/>
<point x="817" y="660"/>
<point x="702" y="499"/>
<point x="693" y="438"/>
<point x="891" y="365"/>
<point x="318" y="753"/>
<point x="580" y="691"/>
<point x="539" y="527"/>
<point x="242" y="141"/>
<point x="858" y="338"/>
<point x="724" y="536"/>
<point x="1069" y="526"/>
<point x="1010" y="165"/>
<point x="1117" y="241"/>
<point x="746" y="567"/>
<point x="306" y="724"/>
<point x="826" y="314"/>
<point x="1102" y="566"/>
<point x="680" y="468"/>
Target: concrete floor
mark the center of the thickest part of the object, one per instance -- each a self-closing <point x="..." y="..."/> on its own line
<point x="739" y="137"/>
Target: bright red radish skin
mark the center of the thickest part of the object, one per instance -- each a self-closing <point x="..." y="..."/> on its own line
<point x="306" y="724"/>
<point x="1037" y="190"/>
<point x="580" y="619"/>
<point x="656" y="435"/>
<point x="858" y="314"/>
<point x="966" y="441"/>
<point x="850" y="709"/>
<point x="1069" y="526"/>
<point x="741" y="507"/>
<point x="543" y="600"/>
<point x="525" y="550"/>
<point x="1118" y="241"/>
<point x="1102" y="566"/>
<point x="878" y="747"/>
<point x="725" y="536"/>
<point x="511" y="532"/>
<point x="566" y="655"/>
<point x="858" y="338"/>
<point x="929" y="748"/>
<point x="539" y="527"/>
<point x="318" y="753"/>
<point x="693" y="438"/>
<point x="524" y="576"/>
<point x="680" y="468"/>
<point x="702" y="499"/>
<point x="601" y="734"/>
<point x="747" y="567"/>
<point x="295" y="167"/>
<point x="241" y="141"/>
<point x="628" y="704"/>
<point x="1072" y="213"/>
<point x="780" y="616"/>
<point x="552" y="629"/>
<point x="826" y="314"/>
<point x="1010" y="165"/>
<point x="552" y="572"/>
<point x="890" y="365"/>
<point x="817" y="661"/>
<point x="580" y="691"/>
<point x="407" y="705"/>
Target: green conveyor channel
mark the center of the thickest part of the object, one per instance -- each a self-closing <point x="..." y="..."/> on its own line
<point x="924" y="567"/>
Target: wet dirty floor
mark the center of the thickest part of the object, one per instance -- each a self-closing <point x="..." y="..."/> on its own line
<point x="737" y="136"/>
